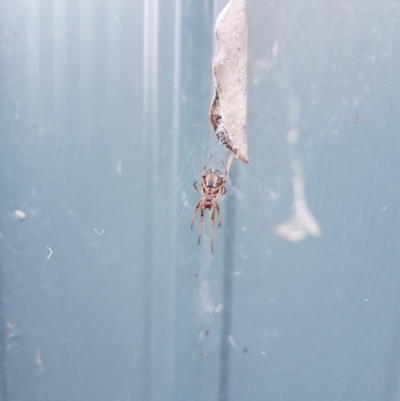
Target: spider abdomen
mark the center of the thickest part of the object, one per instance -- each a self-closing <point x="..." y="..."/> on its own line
<point x="214" y="178"/>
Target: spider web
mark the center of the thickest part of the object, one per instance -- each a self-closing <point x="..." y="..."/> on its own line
<point x="104" y="129"/>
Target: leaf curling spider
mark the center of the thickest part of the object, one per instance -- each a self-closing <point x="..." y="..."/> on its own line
<point x="212" y="187"/>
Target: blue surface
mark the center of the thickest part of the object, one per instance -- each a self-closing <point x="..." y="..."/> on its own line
<point x="104" y="128"/>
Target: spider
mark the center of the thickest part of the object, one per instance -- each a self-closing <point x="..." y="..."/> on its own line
<point x="212" y="187"/>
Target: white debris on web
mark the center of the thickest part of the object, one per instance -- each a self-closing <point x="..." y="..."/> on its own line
<point x="19" y="215"/>
<point x="38" y="360"/>
<point x="232" y="342"/>
<point x="275" y="48"/>
<point x="234" y="345"/>
<point x="118" y="167"/>
<point x="302" y="223"/>
<point x="51" y="252"/>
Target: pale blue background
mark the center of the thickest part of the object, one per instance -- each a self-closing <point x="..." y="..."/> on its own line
<point x="104" y="126"/>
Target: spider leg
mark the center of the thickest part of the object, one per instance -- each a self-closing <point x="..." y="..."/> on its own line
<point x="223" y="163"/>
<point x="219" y="213"/>
<point x="220" y="192"/>
<point x="205" y="166"/>
<point x="217" y="190"/>
<point x="212" y="229"/>
<point x="195" y="187"/>
<point x="226" y="172"/>
<point x="201" y="222"/>
<point x="194" y="213"/>
<point x="203" y="183"/>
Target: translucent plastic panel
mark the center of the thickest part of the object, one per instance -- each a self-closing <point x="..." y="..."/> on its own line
<point x="103" y="130"/>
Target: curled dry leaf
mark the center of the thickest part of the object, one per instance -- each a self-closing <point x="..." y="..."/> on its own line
<point x="228" y="112"/>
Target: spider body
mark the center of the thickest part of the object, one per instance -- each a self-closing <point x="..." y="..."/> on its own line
<point x="213" y="178"/>
<point x="212" y="187"/>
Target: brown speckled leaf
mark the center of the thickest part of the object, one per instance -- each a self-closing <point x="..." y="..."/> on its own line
<point x="228" y="112"/>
